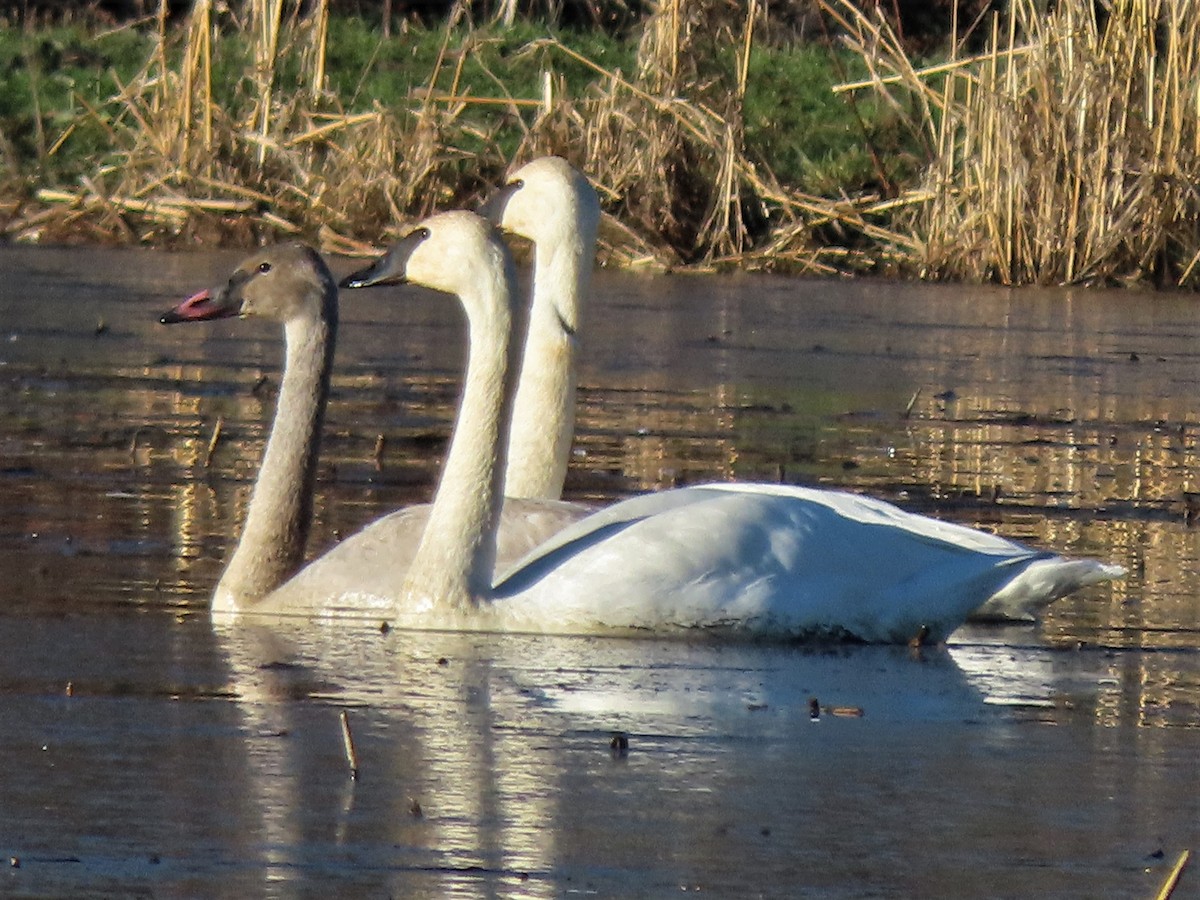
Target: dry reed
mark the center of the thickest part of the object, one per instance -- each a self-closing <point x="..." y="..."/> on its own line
<point x="665" y="147"/>
<point x="281" y="158"/>
<point x="1068" y="151"/>
<point x="1065" y="153"/>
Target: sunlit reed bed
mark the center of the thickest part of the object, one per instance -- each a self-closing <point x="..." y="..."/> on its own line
<point x="1064" y="151"/>
<point x="265" y="149"/>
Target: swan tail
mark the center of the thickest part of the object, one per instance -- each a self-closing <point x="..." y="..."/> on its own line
<point x="1041" y="583"/>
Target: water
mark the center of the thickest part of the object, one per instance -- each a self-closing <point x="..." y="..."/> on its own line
<point x="148" y="752"/>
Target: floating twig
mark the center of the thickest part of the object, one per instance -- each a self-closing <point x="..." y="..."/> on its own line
<point x="912" y="401"/>
<point x="212" y="442"/>
<point x="380" y="446"/>
<point x="845" y="712"/>
<point x="1168" y="888"/>
<point x="133" y="440"/>
<point x="348" y="743"/>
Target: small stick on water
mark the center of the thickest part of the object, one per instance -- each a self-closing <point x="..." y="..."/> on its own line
<point x="912" y="401"/>
<point x="212" y="441"/>
<point x="348" y="743"/>
<point x="133" y="441"/>
<point x="1172" y="881"/>
<point x="380" y="445"/>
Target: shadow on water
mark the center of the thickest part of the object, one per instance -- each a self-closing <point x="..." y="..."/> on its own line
<point x="192" y="759"/>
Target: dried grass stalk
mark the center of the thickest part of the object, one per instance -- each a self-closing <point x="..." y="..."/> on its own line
<point x="665" y="146"/>
<point x="1065" y="153"/>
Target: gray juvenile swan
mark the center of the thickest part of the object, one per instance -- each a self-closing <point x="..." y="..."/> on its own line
<point x="755" y="560"/>
<point x="290" y="284"/>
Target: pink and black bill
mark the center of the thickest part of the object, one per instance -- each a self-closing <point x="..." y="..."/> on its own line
<point x="203" y="306"/>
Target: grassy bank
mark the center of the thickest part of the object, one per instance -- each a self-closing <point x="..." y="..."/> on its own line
<point x="710" y="145"/>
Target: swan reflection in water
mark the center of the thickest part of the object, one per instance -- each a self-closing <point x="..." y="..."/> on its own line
<point x="490" y="758"/>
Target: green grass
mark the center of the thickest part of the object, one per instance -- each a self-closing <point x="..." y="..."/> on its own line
<point x="365" y="68"/>
<point x="811" y="137"/>
<point x="46" y="77"/>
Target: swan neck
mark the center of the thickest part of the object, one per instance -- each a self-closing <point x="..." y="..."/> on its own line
<point x="544" y="413"/>
<point x="273" y="538"/>
<point x="454" y="563"/>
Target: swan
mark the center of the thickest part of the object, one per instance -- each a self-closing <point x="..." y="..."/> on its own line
<point x="550" y="203"/>
<point x="758" y="560"/>
<point x="291" y="284"/>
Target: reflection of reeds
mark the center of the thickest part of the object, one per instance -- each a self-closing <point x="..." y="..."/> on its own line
<point x="1068" y="151"/>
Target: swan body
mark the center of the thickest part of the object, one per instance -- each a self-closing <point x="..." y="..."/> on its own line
<point x="753" y="560"/>
<point x="362" y="575"/>
<point x="779" y="561"/>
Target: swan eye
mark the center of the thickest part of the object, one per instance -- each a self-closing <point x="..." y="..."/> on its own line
<point x="264" y="267"/>
<point x="517" y="183"/>
<point x="421" y="233"/>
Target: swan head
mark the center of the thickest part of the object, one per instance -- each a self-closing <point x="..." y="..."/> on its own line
<point x="456" y="252"/>
<point x="280" y="283"/>
<point x="543" y="200"/>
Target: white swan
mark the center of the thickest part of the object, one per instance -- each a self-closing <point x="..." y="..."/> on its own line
<point x="549" y="202"/>
<point x="756" y="560"/>
<point x="291" y="284"/>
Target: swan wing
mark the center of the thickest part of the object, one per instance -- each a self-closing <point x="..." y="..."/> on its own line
<point x="765" y="560"/>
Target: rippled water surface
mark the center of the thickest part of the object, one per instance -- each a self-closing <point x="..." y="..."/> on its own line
<point x="148" y="752"/>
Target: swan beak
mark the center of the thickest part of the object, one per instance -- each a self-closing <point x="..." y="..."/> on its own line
<point x="389" y="268"/>
<point x="494" y="206"/>
<point x="201" y="307"/>
<point x="377" y="273"/>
